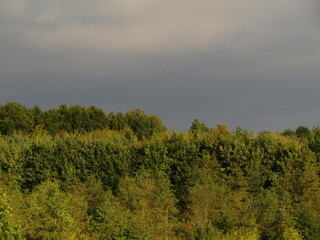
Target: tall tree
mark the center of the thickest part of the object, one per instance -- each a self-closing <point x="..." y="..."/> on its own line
<point x="15" y="117"/>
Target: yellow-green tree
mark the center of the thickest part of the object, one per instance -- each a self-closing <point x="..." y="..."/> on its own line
<point x="48" y="214"/>
<point x="8" y="230"/>
<point x="150" y="203"/>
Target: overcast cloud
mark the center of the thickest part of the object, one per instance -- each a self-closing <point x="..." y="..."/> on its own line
<point x="248" y="63"/>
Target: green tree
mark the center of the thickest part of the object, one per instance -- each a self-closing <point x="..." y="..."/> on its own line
<point x="198" y="127"/>
<point x="116" y="121"/>
<point x="48" y="214"/>
<point x="303" y="132"/>
<point x="98" y="118"/>
<point x="37" y="115"/>
<point x="15" y="117"/>
<point x="216" y="209"/>
<point x="289" y="133"/>
<point x="151" y="204"/>
<point x="8" y="230"/>
<point x="52" y="121"/>
<point x="144" y="126"/>
<point x="110" y="221"/>
<point x="79" y="119"/>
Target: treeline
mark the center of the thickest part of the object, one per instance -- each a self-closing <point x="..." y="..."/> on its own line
<point x="208" y="183"/>
<point x="75" y="119"/>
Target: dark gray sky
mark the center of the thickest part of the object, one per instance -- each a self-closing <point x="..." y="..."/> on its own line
<point x="248" y="63"/>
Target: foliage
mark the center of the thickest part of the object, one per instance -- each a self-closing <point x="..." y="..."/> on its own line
<point x="151" y="204"/>
<point x="14" y="117"/>
<point x="76" y="173"/>
<point x="198" y="127"/>
<point x="303" y="132"/>
<point x="47" y="208"/>
<point x="8" y="230"/>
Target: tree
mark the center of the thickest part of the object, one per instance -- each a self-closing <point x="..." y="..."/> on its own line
<point x="48" y="213"/>
<point x="110" y="220"/>
<point x="8" y="230"/>
<point x="142" y="125"/>
<point x="116" y="121"/>
<point x="37" y="115"/>
<point x="303" y="132"/>
<point x="151" y="204"/>
<point x="15" y="117"/>
<point x="98" y="118"/>
<point x="289" y="133"/>
<point x="217" y="210"/>
<point x="52" y="121"/>
<point x="198" y="127"/>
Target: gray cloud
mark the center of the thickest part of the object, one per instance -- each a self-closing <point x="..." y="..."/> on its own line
<point x="248" y="63"/>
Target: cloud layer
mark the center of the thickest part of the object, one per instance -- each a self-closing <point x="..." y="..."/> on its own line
<point x="248" y="63"/>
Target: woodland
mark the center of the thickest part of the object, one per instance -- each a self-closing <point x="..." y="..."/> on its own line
<point x="75" y="172"/>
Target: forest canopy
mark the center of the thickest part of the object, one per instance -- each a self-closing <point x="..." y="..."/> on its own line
<point x="75" y="119"/>
<point x="74" y="172"/>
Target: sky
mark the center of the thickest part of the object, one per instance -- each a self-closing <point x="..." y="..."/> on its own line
<point x="248" y="63"/>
